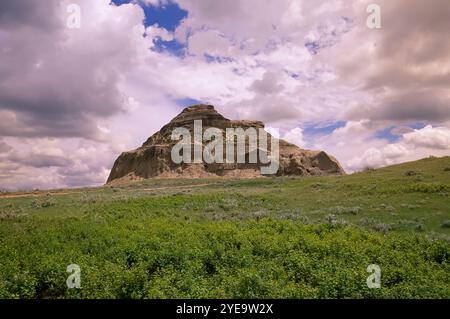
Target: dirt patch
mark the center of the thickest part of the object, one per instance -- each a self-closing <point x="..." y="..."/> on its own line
<point x="172" y="187"/>
<point x="34" y="194"/>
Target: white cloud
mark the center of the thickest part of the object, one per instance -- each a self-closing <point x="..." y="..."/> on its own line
<point x="378" y="157"/>
<point x="154" y="32"/>
<point x="101" y="89"/>
<point x="66" y="121"/>
<point x="429" y="137"/>
<point x="295" y="136"/>
<point x="154" y="2"/>
<point x="413" y="146"/>
<point x="209" y="42"/>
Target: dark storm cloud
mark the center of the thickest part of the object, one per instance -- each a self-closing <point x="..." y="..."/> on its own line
<point x="412" y="47"/>
<point x="52" y="87"/>
<point x="19" y="124"/>
<point x="21" y="13"/>
<point x="407" y="69"/>
<point x="39" y="160"/>
<point x="415" y="29"/>
<point x="60" y="89"/>
<point x="424" y="105"/>
<point x="415" y="107"/>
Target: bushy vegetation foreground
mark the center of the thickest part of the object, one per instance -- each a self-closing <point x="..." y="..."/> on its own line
<point x="262" y="238"/>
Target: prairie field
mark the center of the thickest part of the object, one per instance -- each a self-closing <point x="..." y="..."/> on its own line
<point x="281" y="237"/>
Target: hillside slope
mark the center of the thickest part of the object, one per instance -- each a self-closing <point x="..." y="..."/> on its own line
<point x="284" y="237"/>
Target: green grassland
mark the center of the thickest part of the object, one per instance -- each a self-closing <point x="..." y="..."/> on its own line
<point x="277" y="237"/>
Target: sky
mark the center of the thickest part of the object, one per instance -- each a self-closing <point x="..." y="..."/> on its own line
<point x="72" y="99"/>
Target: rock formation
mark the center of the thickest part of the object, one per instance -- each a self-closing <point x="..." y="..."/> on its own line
<point x="153" y="158"/>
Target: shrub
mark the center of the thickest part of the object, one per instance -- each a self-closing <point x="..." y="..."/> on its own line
<point x="429" y="187"/>
<point x="382" y="228"/>
<point x="412" y="173"/>
<point x="166" y="258"/>
<point x="42" y="203"/>
<point x="345" y="210"/>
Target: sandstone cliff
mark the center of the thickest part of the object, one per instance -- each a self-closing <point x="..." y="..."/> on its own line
<point x="153" y="158"/>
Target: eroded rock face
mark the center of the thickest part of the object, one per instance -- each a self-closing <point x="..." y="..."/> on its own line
<point x="153" y="158"/>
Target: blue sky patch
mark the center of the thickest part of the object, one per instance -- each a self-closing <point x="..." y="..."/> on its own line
<point x="329" y="37"/>
<point x="323" y="130"/>
<point x="313" y="47"/>
<point x="174" y="47"/>
<point x="119" y="2"/>
<point x="187" y="102"/>
<point x="387" y="134"/>
<point x="417" y="126"/>
<point x="169" y="17"/>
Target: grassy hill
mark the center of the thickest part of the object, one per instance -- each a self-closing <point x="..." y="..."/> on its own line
<point x="271" y="237"/>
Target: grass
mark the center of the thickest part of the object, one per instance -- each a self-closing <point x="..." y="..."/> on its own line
<point x="260" y="238"/>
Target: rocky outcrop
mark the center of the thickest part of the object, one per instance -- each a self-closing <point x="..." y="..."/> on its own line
<point x="153" y="158"/>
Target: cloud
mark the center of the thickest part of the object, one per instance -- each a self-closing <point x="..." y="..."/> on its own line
<point x="55" y="162"/>
<point x="401" y="130"/>
<point x="28" y="13"/>
<point x="40" y="160"/>
<point x="378" y="157"/>
<point x="267" y="85"/>
<point x="349" y="142"/>
<point x="4" y="147"/>
<point x="413" y="145"/>
<point x="295" y="136"/>
<point x="294" y="64"/>
<point x="418" y="105"/>
<point x="85" y="89"/>
<point x="429" y="137"/>
<point x="69" y="78"/>
<point x="154" y="2"/>
<point x="209" y="42"/>
<point x="155" y="32"/>
<point x="403" y="66"/>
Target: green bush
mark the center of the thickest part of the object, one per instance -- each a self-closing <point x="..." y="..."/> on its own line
<point x="160" y="258"/>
